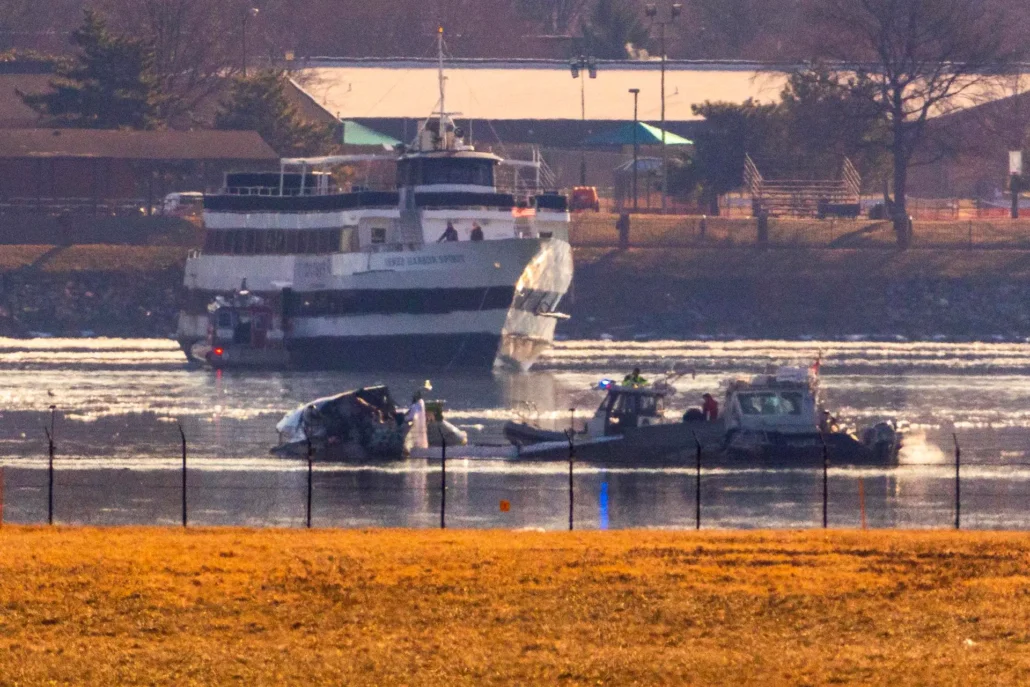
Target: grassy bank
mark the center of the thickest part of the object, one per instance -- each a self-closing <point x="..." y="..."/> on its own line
<point x="598" y="229"/>
<point x="142" y="606"/>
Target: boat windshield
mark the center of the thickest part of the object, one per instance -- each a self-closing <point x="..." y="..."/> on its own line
<point x="771" y="403"/>
<point x="466" y="171"/>
<point x="637" y="404"/>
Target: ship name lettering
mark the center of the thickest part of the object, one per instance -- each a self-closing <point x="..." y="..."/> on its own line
<point x="426" y="260"/>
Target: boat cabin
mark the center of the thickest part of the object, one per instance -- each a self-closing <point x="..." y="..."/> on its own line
<point x="243" y="320"/>
<point x="626" y="407"/>
<point x="784" y="402"/>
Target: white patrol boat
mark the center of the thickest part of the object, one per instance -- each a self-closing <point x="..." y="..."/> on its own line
<point x="445" y="270"/>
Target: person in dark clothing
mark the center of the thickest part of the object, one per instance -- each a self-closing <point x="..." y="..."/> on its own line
<point x="449" y="234"/>
<point x="710" y="408"/>
<point x="477" y="232"/>
<point x="622" y="226"/>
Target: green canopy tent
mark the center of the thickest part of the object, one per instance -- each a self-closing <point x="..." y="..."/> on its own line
<point x="647" y="135"/>
<point x="355" y="134"/>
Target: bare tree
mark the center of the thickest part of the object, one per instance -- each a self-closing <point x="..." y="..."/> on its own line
<point x="195" y="46"/>
<point x="924" y="57"/>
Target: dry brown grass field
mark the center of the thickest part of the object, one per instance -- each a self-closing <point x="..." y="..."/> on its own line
<point x="161" y="606"/>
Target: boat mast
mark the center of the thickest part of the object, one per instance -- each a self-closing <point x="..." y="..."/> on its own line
<point x="439" y="51"/>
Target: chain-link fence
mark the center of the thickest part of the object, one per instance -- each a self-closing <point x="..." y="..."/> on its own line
<point x="980" y="488"/>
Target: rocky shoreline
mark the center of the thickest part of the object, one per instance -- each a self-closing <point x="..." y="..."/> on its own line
<point x="618" y="295"/>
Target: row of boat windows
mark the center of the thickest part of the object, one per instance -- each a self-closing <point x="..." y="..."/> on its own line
<point x="280" y="242"/>
<point x="465" y="171"/>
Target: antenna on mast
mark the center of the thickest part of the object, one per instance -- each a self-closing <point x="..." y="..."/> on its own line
<point x="439" y="51"/>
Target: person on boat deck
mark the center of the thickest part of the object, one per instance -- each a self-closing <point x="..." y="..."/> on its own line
<point x="634" y="378"/>
<point x="477" y="232"/>
<point x="710" y="408"/>
<point x="449" y="234"/>
<point x="416" y="417"/>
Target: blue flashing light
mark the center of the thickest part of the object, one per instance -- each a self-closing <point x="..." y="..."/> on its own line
<point x="605" y="384"/>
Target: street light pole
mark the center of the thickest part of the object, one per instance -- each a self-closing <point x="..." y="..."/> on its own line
<point x="248" y="13"/>
<point x="636" y="147"/>
<point x="578" y="65"/>
<point x="674" y="11"/>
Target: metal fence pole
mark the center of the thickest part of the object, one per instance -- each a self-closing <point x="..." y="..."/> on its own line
<point x="826" y="481"/>
<point x="182" y="435"/>
<point x="697" y="486"/>
<point x="50" y="467"/>
<point x="958" y="483"/>
<point x="443" y="481"/>
<point x="311" y="479"/>
<point x="572" y="491"/>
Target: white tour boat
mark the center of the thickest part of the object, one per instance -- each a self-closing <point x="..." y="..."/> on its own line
<point x="445" y="270"/>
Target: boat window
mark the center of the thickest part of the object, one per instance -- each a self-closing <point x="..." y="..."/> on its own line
<point x="224" y="319"/>
<point x="758" y="403"/>
<point x="458" y="171"/>
<point x="626" y="403"/>
<point x="790" y="402"/>
<point x="646" y="405"/>
<point x="278" y="243"/>
<point x="249" y="239"/>
<point x="291" y="241"/>
<point x="378" y="235"/>
<point x="769" y="403"/>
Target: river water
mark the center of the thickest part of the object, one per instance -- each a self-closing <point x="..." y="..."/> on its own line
<point x="118" y="404"/>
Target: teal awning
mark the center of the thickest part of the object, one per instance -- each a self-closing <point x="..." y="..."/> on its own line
<point x="355" y="134"/>
<point x="647" y="135"/>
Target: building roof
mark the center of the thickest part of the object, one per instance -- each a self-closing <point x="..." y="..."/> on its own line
<point x="134" y="145"/>
<point x="646" y="135"/>
<point x="355" y="134"/>
<point x="531" y="89"/>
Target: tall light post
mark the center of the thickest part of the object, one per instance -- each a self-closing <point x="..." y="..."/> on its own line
<point x="247" y="14"/>
<point x="674" y="11"/>
<point x="636" y="147"/>
<point x="578" y="65"/>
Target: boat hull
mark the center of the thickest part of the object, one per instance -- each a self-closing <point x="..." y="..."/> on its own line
<point x="412" y="311"/>
<point x="677" y="445"/>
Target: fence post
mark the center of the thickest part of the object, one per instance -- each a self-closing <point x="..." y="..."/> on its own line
<point x="958" y="483"/>
<point x="861" y="501"/>
<point x="50" y="467"/>
<point x="572" y="492"/>
<point x="826" y="490"/>
<point x="182" y="434"/>
<point x="311" y="477"/>
<point x="697" y="485"/>
<point x="443" y="481"/>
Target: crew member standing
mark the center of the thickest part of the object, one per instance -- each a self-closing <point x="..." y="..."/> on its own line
<point x="449" y="234"/>
<point x="416" y="418"/>
<point x="477" y="232"/>
<point x="710" y="408"/>
<point x="634" y="378"/>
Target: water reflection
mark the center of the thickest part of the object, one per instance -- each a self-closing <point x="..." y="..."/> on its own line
<point x="119" y="402"/>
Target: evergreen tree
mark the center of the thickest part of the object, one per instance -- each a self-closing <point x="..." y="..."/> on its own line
<point x="613" y="30"/>
<point x="108" y="85"/>
<point x="259" y="103"/>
